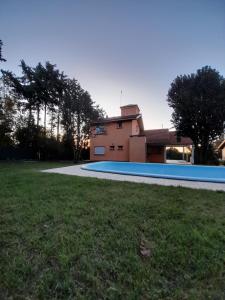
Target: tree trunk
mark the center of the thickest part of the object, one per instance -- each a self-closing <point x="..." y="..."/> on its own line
<point x="38" y="115"/>
<point x="78" y="138"/>
<point x="30" y="116"/>
<point x="38" y="119"/>
<point x="201" y="155"/>
<point x="58" y="121"/>
<point x="45" y="113"/>
<point x="51" y="124"/>
<point x="197" y="155"/>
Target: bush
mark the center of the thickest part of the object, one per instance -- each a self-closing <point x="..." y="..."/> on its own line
<point x="173" y="153"/>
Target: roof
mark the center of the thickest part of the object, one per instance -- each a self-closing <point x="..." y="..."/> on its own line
<point x="222" y="145"/>
<point x="129" y="105"/>
<point x="157" y="136"/>
<point x="117" y="119"/>
<point x="186" y="141"/>
<point x="165" y="137"/>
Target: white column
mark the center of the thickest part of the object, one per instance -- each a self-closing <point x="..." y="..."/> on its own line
<point x="192" y="160"/>
<point x="165" y="154"/>
<point x="183" y="154"/>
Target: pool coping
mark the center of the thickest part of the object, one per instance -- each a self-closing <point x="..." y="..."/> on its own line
<point x="153" y="175"/>
<point x="76" y="170"/>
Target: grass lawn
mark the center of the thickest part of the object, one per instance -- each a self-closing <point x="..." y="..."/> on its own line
<point x="67" y="237"/>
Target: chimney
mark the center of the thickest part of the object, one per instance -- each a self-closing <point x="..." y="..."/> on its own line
<point x="128" y="110"/>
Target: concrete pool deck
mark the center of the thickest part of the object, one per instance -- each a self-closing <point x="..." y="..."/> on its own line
<point x="76" y="170"/>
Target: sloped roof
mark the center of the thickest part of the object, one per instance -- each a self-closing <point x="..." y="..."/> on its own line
<point x="183" y="140"/>
<point x="116" y="119"/>
<point x="157" y="136"/>
<point x="165" y="137"/>
<point x="129" y="105"/>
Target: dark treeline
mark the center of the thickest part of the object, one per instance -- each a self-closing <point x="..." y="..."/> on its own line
<point x="44" y="115"/>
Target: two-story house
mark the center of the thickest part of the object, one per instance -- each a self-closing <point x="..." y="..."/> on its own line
<point x="123" y="138"/>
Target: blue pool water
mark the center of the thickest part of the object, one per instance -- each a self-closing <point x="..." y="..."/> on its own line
<point x="183" y="172"/>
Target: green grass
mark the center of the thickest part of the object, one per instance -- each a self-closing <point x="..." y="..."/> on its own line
<point x="67" y="237"/>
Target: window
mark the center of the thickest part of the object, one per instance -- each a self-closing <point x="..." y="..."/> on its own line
<point x="120" y="147"/>
<point x="100" y="129"/>
<point x="119" y="125"/>
<point x="112" y="148"/>
<point x="100" y="150"/>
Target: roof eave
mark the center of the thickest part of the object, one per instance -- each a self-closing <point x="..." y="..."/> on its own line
<point x="221" y="145"/>
<point x="125" y="118"/>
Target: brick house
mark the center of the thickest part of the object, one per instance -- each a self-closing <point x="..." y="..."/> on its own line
<point x="123" y="138"/>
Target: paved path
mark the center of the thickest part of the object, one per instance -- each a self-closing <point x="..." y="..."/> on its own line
<point x="77" y="171"/>
<point x="178" y="162"/>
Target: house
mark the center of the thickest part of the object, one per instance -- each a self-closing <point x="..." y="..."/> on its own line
<point x="123" y="138"/>
<point x="222" y="148"/>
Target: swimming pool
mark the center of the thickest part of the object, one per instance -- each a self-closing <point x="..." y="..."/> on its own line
<point x="181" y="172"/>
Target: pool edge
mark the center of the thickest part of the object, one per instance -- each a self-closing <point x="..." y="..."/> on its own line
<point x="171" y="177"/>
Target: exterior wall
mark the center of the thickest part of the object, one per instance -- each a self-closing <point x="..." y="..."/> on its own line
<point x="156" y="154"/>
<point x="135" y="128"/>
<point x="223" y="153"/>
<point x="137" y="149"/>
<point x="113" y="137"/>
<point x="129" y="110"/>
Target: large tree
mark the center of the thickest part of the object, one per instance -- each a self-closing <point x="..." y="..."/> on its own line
<point x="78" y="110"/>
<point x="198" y="103"/>
<point x="37" y="90"/>
<point x="7" y="113"/>
<point x="44" y="93"/>
<point x="1" y="57"/>
<point x="49" y="87"/>
<point x="23" y="88"/>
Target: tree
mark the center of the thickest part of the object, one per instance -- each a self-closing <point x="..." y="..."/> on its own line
<point x="38" y="88"/>
<point x="22" y="88"/>
<point x="51" y="85"/>
<point x="44" y="93"/>
<point x="173" y="153"/>
<point x="78" y="110"/>
<point x="1" y="58"/>
<point x="7" y="112"/>
<point x="198" y="103"/>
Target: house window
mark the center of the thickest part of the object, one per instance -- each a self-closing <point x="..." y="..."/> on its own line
<point x="100" y="150"/>
<point x="119" y="125"/>
<point x="120" y="147"/>
<point x="112" y="148"/>
<point x="100" y="129"/>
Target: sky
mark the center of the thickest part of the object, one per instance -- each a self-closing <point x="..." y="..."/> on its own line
<point x="138" y="47"/>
